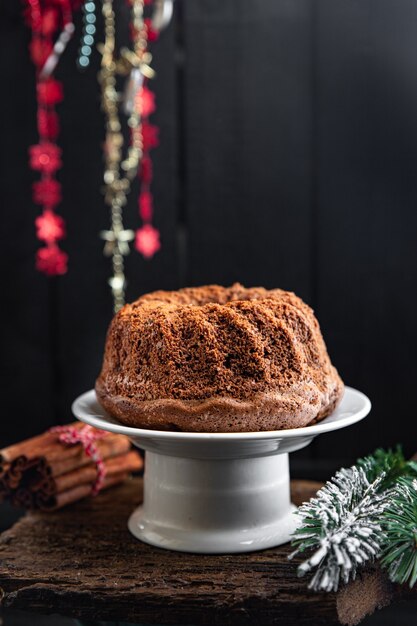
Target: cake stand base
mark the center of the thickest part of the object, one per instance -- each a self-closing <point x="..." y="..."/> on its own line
<point x="241" y="505"/>
<point x="218" y="493"/>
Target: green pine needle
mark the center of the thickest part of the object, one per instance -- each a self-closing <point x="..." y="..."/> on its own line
<point x="399" y="522"/>
<point x="391" y="462"/>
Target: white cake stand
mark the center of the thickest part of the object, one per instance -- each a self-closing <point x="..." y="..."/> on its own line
<point x="218" y="493"/>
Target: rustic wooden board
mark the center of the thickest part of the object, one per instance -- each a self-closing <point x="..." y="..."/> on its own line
<point x="83" y="562"/>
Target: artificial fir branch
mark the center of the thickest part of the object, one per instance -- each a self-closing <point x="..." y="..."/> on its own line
<point x="341" y="525"/>
<point x="345" y="524"/>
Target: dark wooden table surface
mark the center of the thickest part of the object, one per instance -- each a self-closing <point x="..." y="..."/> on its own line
<point x="83" y="562"/>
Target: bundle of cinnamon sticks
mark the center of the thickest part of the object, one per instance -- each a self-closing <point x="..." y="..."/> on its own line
<point x="44" y="473"/>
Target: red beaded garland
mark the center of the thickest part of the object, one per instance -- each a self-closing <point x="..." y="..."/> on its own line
<point x="147" y="238"/>
<point x="47" y="19"/>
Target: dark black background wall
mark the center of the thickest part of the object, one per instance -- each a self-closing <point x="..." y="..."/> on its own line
<point x="288" y="158"/>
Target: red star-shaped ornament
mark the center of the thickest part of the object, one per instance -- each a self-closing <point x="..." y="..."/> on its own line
<point x="147" y="241"/>
<point x="150" y="136"/>
<point x="50" y="227"/>
<point x="45" y="157"/>
<point x="51" y="260"/>
<point x="47" y="192"/>
<point x="50" y="91"/>
<point x="145" y="102"/>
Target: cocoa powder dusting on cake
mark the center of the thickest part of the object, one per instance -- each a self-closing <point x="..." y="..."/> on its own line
<point x="216" y="359"/>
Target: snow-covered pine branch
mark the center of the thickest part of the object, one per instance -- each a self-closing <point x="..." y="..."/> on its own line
<point x="342" y="525"/>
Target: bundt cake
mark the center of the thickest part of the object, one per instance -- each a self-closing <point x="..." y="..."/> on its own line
<point x="216" y="359"/>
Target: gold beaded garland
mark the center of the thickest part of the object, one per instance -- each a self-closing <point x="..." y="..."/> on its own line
<point x="120" y="172"/>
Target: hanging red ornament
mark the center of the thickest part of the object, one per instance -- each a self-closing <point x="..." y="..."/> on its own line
<point x="150" y="136"/>
<point x="51" y="260"/>
<point x="47" y="192"/>
<point x="147" y="241"/>
<point x="50" y="227"/>
<point x="45" y="157"/>
<point x="50" y="92"/>
<point x="145" y="102"/>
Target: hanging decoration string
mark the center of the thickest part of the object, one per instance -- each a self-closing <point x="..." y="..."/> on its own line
<point x="88" y="34"/>
<point x="121" y="167"/>
<point x="147" y="239"/>
<point x="52" y="27"/>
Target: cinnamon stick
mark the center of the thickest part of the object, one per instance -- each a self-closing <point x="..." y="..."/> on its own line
<point x="25" y="472"/>
<point x="32" y="446"/>
<point x="14" y="475"/>
<point x="4" y="489"/>
<point x="3" y="468"/>
<point x="110" y="446"/>
<point x="23" y="498"/>
<point x="57" y="451"/>
<point x="130" y="462"/>
<point x="70" y="496"/>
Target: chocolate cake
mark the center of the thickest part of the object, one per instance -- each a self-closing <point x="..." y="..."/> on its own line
<point x="217" y="359"/>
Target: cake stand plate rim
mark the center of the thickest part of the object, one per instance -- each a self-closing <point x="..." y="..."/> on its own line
<point x="87" y="409"/>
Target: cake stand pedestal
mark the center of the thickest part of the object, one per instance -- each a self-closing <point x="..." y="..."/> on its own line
<point x="218" y="493"/>
<point x="215" y="505"/>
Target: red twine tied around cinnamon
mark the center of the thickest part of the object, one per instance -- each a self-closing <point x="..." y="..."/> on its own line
<point x="87" y="437"/>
